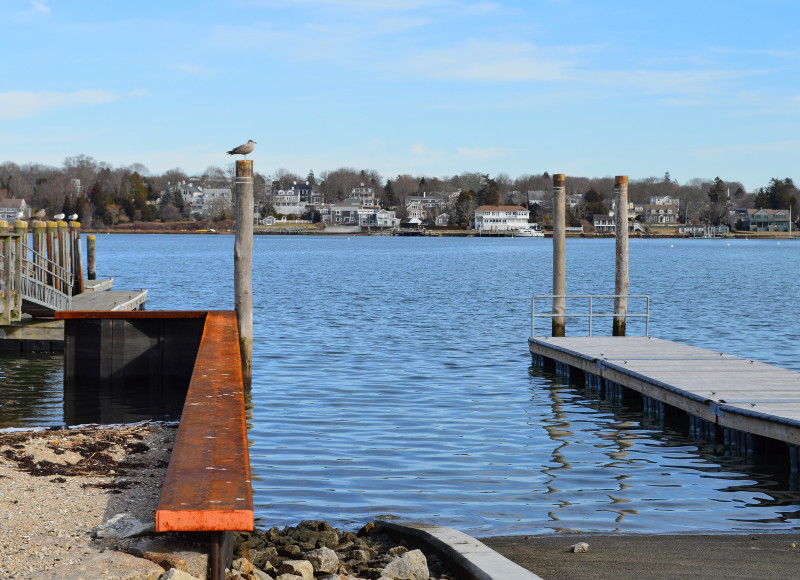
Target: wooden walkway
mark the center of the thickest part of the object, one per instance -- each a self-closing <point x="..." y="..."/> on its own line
<point x="726" y="391"/>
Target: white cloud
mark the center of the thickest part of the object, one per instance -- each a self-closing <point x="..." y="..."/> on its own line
<point x="22" y="104"/>
<point x="40" y="7"/>
<point x="195" y="70"/>
<point x="489" y="61"/>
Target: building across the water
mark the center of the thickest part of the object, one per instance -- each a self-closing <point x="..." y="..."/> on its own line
<point x="500" y="218"/>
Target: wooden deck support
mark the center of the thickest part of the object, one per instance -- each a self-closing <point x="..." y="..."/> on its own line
<point x="559" y="254"/>
<point x="725" y="396"/>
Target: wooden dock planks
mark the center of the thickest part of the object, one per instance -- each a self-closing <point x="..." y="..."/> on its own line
<point x="733" y="392"/>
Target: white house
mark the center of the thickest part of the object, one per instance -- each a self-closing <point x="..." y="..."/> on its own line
<point x="385" y="218"/>
<point x="10" y="208"/>
<point x="490" y="218"/>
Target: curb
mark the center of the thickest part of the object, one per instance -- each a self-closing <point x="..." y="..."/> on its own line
<point x="476" y="560"/>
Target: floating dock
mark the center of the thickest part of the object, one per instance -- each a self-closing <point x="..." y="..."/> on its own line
<point x="728" y="398"/>
<point x="47" y="335"/>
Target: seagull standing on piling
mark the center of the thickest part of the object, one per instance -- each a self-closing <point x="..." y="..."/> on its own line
<point x="243" y="149"/>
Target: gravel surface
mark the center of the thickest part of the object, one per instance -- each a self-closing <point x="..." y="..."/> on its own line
<point x="56" y="486"/>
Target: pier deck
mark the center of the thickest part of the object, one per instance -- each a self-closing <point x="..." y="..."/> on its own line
<point x="725" y="390"/>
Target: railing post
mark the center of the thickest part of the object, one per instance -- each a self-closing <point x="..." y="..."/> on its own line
<point x="559" y="255"/>
<point x="40" y="251"/>
<point x="21" y="229"/>
<point x="77" y="265"/>
<point x="243" y="265"/>
<point x="91" y="272"/>
<point x="51" y="245"/>
<point x="621" y="279"/>
<point x="63" y="258"/>
<point x="5" y="288"/>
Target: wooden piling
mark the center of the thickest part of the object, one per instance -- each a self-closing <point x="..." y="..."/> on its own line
<point x="40" y="250"/>
<point x="51" y="250"/>
<point x="91" y="271"/>
<point x="243" y="265"/>
<point x="621" y="278"/>
<point x="559" y="255"/>
<point x="77" y="257"/>
<point x="63" y="256"/>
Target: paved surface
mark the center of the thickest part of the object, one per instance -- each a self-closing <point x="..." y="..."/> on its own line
<point x="633" y="557"/>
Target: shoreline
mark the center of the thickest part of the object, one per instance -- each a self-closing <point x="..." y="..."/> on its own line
<point x="60" y="486"/>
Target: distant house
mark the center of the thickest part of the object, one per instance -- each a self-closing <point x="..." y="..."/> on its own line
<point x="442" y="219"/>
<point x="539" y="197"/>
<point x="415" y="210"/>
<point x="767" y="220"/>
<point x="665" y="200"/>
<point x="385" y="218"/>
<point x="11" y="208"/>
<point x="603" y="223"/>
<point x="634" y="209"/>
<point x="660" y="214"/>
<point x="344" y="215"/>
<point x="500" y="218"/>
<point x="292" y="201"/>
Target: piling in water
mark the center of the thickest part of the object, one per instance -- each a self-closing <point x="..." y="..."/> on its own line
<point x="77" y="263"/>
<point x="621" y="278"/>
<point x="91" y="271"/>
<point x="243" y="264"/>
<point x="559" y="254"/>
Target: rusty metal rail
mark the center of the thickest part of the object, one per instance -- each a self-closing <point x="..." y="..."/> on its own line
<point x="207" y="487"/>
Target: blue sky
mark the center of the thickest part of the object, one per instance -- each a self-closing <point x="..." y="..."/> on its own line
<point x="433" y="87"/>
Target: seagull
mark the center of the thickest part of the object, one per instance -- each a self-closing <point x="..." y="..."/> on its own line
<point x="58" y="216"/>
<point x="243" y="149"/>
<point x="73" y="217"/>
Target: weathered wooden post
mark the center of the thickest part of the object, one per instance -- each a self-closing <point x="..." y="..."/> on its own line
<point x="21" y="229"/>
<point x="243" y="264"/>
<point x="559" y="255"/>
<point x="91" y="271"/>
<point x="63" y="257"/>
<point x="40" y="250"/>
<point x="5" y="290"/>
<point x="621" y="279"/>
<point x="51" y="246"/>
<point x="77" y="265"/>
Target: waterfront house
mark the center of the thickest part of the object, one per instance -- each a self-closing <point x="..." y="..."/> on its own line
<point x="442" y="219"/>
<point x="660" y="214"/>
<point x="767" y="220"/>
<point x="10" y="209"/>
<point x="501" y="218"/>
<point x="385" y="218"/>
<point x="665" y="200"/>
<point x="415" y="210"/>
<point x="603" y="223"/>
<point x="344" y="215"/>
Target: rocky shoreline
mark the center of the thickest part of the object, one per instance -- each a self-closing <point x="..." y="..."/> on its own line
<point x="80" y="503"/>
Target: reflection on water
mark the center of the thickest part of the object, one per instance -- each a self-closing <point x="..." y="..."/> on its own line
<point x="611" y="461"/>
<point x="31" y="388"/>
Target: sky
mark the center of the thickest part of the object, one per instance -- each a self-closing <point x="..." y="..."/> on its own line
<point x="592" y="88"/>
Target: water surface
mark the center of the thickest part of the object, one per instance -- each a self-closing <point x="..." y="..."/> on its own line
<point x="392" y="377"/>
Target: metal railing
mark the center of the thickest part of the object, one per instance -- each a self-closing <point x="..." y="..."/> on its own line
<point x="591" y="315"/>
<point x="26" y="275"/>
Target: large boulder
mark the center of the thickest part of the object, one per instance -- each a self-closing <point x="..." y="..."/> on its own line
<point x="324" y="560"/>
<point x="410" y="566"/>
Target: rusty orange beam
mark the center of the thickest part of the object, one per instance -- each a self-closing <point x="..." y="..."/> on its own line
<point x="207" y="486"/>
<point x="119" y="314"/>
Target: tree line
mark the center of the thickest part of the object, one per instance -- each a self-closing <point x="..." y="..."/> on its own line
<point x="113" y="195"/>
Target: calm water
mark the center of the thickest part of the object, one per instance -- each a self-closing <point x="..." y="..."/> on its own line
<point x="392" y="377"/>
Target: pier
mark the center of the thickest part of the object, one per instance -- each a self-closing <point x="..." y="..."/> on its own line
<point x="742" y="403"/>
<point x="40" y="274"/>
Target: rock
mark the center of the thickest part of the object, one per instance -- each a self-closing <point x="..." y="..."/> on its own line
<point x="289" y="577"/>
<point x="166" y="561"/>
<point x="290" y="551"/>
<point x="264" y="559"/>
<point x="123" y="526"/>
<point x="361" y="555"/>
<point x="579" y="548"/>
<point x="195" y="558"/>
<point x="398" y="551"/>
<point x="242" y="565"/>
<point x="175" y="574"/>
<point x="339" y="577"/>
<point x="259" y="575"/>
<point x="324" y="560"/>
<point x="366" y="529"/>
<point x="301" y="568"/>
<point x="410" y="566"/>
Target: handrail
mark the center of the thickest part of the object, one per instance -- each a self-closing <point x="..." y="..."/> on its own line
<point x="591" y="315"/>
